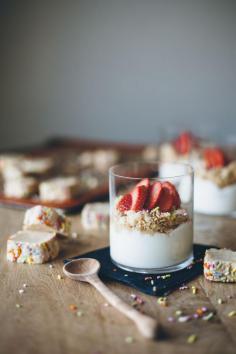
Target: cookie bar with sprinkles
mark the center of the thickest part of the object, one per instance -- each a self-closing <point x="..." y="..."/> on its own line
<point x="32" y="247"/>
<point x="42" y="217"/>
<point x="22" y="187"/>
<point x="95" y="216"/>
<point x="220" y="265"/>
<point x="59" y="188"/>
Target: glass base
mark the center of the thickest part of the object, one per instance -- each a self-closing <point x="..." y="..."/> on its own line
<point x="162" y="270"/>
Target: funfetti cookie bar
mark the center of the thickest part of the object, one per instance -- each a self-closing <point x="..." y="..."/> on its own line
<point x="220" y="265"/>
<point x="32" y="247"/>
<point x="95" y="216"/>
<point x="40" y="217"/>
<point x="59" y="189"/>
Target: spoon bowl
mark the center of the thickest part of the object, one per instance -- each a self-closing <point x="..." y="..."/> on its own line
<point x="81" y="269"/>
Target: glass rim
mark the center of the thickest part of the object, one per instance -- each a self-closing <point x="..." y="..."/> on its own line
<point x="157" y="162"/>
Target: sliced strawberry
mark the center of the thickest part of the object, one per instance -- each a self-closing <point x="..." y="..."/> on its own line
<point x="174" y="192"/>
<point x="124" y="203"/>
<point x="145" y="182"/>
<point x="139" y="195"/>
<point x="166" y="201"/>
<point x="185" y="142"/>
<point x="214" y="157"/>
<point x="154" y="195"/>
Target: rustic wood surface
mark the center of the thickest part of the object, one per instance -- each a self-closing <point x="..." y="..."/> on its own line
<point x="45" y="323"/>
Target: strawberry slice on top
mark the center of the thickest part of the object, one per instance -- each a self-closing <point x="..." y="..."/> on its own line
<point x="174" y="192"/>
<point x="144" y="182"/>
<point x="154" y="195"/>
<point x="214" y="157"/>
<point x="166" y="201"/>
<point x="124" y="203"/>
<point x="139" y="195"/>
<point x="185" y="143"/>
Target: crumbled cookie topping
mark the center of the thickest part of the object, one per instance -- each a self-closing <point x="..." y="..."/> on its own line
<point x="222" y="177"/>
<point x="151" y="221"/>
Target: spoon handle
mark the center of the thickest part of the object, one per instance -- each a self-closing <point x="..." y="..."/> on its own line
<point x="147" y="325"/>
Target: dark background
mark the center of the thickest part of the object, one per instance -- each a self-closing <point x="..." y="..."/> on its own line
<point x="117" y="69"/>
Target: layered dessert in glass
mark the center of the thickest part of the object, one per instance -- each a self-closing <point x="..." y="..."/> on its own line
<point x="151" y="228"/>
<point x="215" y="183"/>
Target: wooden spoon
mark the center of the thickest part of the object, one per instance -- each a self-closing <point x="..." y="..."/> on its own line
<point x="86" y="269"/>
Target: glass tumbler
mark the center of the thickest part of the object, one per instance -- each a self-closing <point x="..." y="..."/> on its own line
<point x="151" y="217"/>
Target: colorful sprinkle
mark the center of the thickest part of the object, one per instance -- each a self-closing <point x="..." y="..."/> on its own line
<point x="73" y="307"/>
<point x="170" y="319"/>
<point x="232" y="313"/>
<point x="21" y="291"/>
<point x="208" y="317"/>
<point x="162" y="301"/>
<point x="184" y="318"/>
<point x="178" y="312"/>
<point x="59" y="277"/>
<point x="220" y="301"/>
<point x="194" y="290"/>
<point x="192" y="338"/>
<point x="18" y="306"/>
<point x="129" y="339"/>
<point x="79" y="313"/>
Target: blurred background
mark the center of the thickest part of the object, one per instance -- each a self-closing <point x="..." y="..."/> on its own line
<point x="124" y="70"/>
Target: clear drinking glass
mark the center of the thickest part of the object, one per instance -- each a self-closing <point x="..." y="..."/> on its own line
<point x="151" y="217"/>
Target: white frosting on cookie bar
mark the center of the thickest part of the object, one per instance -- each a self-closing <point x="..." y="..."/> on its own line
<point x="48" y="218"/>
<point x="32" y="247"/>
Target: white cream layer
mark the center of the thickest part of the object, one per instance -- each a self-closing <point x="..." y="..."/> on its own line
<point x="137" y="249"/>
<point x="210" y="199"/>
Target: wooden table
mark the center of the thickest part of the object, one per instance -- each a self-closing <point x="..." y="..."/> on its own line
<point x="45" y="323"/>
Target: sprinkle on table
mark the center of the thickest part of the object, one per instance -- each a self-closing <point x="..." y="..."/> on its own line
<point x="178" y="312"/>
<point x="232" y="313"/>
<point x="18" y="306"/>
<point x="220" y="301"/>
<point x="154" y="288"/>
<point x="208" y="317"/>
<point x="129" y="339"/>
<point x="59" y="277"/>
<point x="21" y="291"/>
<point x="73" y="307"/>
<point x="192" y="338"/>
<point x="171" y="319"/>
<point x="184" y="318"/>
<point x="152" y="282"/>
<point x="183" y="287"/>
<point x="51" y="266"/>
<point x="79" y="313"/>
<point x="166" y="276"/>
<point x="25" y="285"/>
<point x="162" y="301"/>
<point x="194" y="290"/>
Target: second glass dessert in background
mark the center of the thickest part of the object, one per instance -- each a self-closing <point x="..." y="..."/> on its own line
<point x="151" y="218"/>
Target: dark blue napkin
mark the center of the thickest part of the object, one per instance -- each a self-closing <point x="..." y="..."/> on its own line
<point x="157" y="285"/>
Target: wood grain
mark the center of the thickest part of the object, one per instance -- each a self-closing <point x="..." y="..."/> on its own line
<point x="45" y="323"/>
